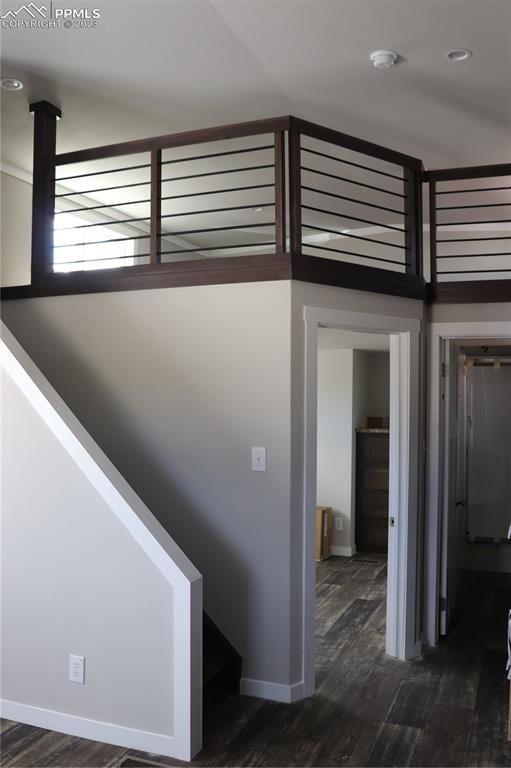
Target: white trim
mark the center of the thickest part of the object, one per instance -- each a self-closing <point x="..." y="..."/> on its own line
<point x="401" y="640"/>
<point x="360" y="321"/>
<point x="343" y="551"/>
<point x="141" y="524"/>
<point x="263" y="689"/>
<point x="109" y="733"/>
<point x="438" y="334"/>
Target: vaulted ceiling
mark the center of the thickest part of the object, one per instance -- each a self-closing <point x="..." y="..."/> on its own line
<point x="158" y="67"/>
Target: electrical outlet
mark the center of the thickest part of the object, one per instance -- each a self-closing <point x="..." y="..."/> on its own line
<point x="339" y="524"/>
<point x="77" y="669"/>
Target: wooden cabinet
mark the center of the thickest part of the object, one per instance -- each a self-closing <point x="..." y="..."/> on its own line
<point x="323" y="532"/>
<point x="372" y="490"/>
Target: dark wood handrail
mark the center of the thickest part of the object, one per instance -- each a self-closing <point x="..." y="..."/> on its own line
<point x="471" y="172"/>
<point x="355" y="144"/>
<point x="185" y="138"/>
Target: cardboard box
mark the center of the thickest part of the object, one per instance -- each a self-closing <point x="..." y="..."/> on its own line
<point x="323" y="532"/>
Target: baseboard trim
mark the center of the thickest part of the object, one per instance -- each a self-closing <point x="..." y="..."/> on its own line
<point x="109" y="733"/>
<point x="262" y="689"/>
<point x="343" y="551"/>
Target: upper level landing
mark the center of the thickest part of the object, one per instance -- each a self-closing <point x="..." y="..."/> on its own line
<point x="271" y="199"/>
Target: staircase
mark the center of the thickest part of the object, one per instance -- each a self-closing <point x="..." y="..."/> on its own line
<point x="221" y="667"/>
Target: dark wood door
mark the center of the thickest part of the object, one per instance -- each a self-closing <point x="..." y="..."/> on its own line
<point x="372" y="491"/>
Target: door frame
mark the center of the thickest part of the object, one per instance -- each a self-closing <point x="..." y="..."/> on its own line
<point x="442" y="336"/>
<point x="404" y="560"/>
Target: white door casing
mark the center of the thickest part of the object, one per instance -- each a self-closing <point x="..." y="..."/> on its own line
<point x="441" y="334"/>
<point x="402" y="639"/>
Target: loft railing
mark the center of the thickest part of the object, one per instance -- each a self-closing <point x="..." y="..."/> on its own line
<point x="470" y="232"/>
<point x="265" y="200"/>
<point x="268" y="199"/>
<point x="356" y="212"/>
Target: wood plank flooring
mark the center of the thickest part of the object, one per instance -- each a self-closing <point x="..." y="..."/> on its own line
<point x="448" y="708"/>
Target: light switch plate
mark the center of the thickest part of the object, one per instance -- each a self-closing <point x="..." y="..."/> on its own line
<point x="259" y="459"/>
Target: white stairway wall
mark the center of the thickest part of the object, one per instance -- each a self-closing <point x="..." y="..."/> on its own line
<point x="87" y="570"/>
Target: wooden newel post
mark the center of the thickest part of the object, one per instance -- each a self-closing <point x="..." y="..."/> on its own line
<point x="413" y="220"/>
<point x="43" y="189"/>
<point x="295" y="194"/>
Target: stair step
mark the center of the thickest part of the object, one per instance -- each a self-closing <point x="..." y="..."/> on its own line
<point x="221" y="665"/>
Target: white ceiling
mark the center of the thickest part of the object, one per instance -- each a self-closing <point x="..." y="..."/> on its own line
<point x="158" y="67"/>
<point x="335" y="338"/>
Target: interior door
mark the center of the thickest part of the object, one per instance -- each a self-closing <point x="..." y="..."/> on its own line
<point x="451" y="541"/>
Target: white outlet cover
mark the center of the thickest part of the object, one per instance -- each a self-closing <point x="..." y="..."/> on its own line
<point x="77" y="669"/>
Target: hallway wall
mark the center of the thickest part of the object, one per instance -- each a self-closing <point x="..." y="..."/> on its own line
<point x="176" y="385"/>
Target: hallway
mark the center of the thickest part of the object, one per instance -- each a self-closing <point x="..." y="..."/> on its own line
<point x="448" y="708"/>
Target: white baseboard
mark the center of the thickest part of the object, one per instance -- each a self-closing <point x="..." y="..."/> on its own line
<point x="343" y="551"/>
<point x="109" y="733"/>
<point x="262" y="689"/>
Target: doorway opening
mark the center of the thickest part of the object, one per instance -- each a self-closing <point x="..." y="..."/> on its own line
<point x="352" y="513"/>
<point x="398" y="615"/>
<point x="476" y="549"/>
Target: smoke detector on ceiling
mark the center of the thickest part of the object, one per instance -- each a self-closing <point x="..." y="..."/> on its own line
<point x="11" y="84"/>
<point x="383" y="59"/>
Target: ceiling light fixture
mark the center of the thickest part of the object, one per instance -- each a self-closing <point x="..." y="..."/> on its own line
<point x="383" y="59"/>
<point x="11" y="83"/>
<point x="458" y="54"/>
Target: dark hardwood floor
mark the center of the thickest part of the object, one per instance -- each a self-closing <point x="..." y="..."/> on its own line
<point x="448" y="708"/>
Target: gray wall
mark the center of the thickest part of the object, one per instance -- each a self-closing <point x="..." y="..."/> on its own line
<point x="16" y="220"/>
<point x="469" y="313"/>
<point x="75" y="581"/>
<point x="176" y="385"/>
<point x="371" y="383"/>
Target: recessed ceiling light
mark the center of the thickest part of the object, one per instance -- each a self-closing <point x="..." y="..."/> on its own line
<point x="458" y="54"/>
<point x="11" y="84"/>
<point x="383" y="59"/>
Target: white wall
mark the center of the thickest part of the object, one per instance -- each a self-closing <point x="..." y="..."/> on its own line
<point x="335" y="441"/>
<point x="352" y="385"/>
<point x="16" y="224"/>
<point x="83" y="574"/>
<point x="176" y="385"/>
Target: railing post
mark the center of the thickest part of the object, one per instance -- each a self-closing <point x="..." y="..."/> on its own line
<point x="43" y="187"/>
<point x="413" y="220"/>
<point x="280" y="192"/>
<point x="295" y="193"/>
<point x="432" y="229"/>
<point x="155" y="237"/>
